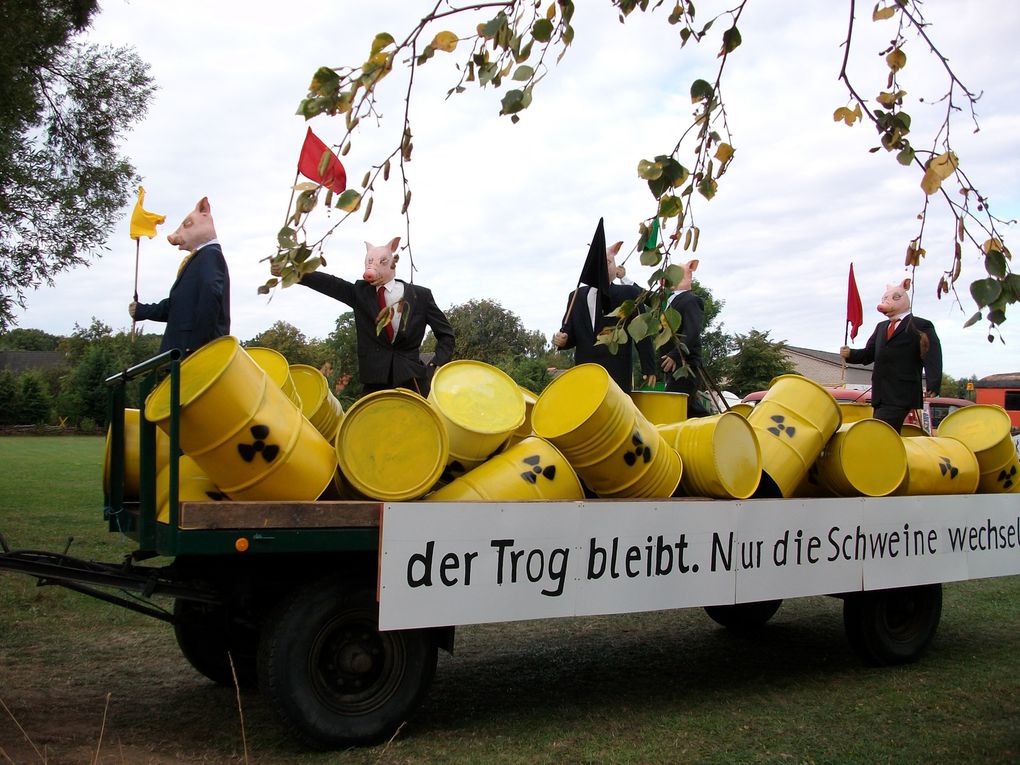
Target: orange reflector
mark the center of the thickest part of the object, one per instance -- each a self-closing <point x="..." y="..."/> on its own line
<point x="241" y="544"/>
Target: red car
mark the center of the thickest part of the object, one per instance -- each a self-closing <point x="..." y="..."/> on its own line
<point x="935" y="409"/>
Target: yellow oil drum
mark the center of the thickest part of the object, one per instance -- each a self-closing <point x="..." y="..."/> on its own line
<point x="613" y="448"/>
<point x="532" y="469"/>
<point x="480" y="406"/>
<point x="939" y="465"/>
<point x="276" y="366"/>
<point x="854" y="411"/>
<point x="742" y="408"/>
<point x="132" y="455"/>
<point x="525" y="429"/>
<point x="720" y="454"/>
<point x="984" y="429"/>
<point x="661" y="407"/>
<point x="392" y="446"/>
<point x="913" y="431"/>
<point x="318" y="403"/>
<point x="793" y="421"/>
<point x="863" y="458"/>
<point x="193" y="485"/>
<point x="242" y="430"/>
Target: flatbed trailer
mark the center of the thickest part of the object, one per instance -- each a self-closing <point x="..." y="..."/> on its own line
<point x="336" y="610"/>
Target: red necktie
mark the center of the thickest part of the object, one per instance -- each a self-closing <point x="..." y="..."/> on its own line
<point x="380" y="297"/>
<point x="892" y="328"/>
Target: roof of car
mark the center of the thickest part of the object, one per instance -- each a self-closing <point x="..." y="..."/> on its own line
<point x="864" y="397"/>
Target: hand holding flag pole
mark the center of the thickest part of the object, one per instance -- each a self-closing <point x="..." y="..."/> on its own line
<point x="854" y="315"/>
<point x="143" y="223"/>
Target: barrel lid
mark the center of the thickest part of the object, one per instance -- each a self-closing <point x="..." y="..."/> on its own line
<point x="199" y="372"/>
<point x="980" y="426"/>
<point x="311" y="385"/>
<point x="478" y="396"/>
<point x="569" y="400"/>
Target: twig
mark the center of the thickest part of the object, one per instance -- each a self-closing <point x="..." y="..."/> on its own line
<point x="29" y="740"/>
<point x="387" y="746"/>
<point x="102" y="729"/>
<point x="240" y="710"/>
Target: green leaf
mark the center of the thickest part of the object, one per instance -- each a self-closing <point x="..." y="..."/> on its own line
<point x="650" y="257"/>
<point x="985" y="291"/>
<point x="700" y="91"/>
<point x="995" y="263"/>
<point x="972" y="320"/>
<point x="906" y="157"/>
<point x="285" y="238"/>
<point x="325" y="82"/>
<point x="708" y="187"/>
<point x="672" y="318"/>
<point x="524" y="73"/>
<point x="349" y="201"/>
<point x="542" y="30"/>
<point x="670" y="207"/>
<point x="730" y="40"/>
<point x="381" y="41"/>
<point x="673" y="274"/>
<point x="649" y="170"/>
<point x="515" y="100"/>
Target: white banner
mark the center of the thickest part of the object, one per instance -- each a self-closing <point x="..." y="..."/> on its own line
<point x="471" y="563"/>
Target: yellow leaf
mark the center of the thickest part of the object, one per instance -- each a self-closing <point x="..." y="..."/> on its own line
<point x="883" y="13"/>
<point x="724" y="153"/>
<point x="445" y="41"/>
<point x="896" y="60"/>
<point x="940" y="168"/>
<point x="849" y="117"/>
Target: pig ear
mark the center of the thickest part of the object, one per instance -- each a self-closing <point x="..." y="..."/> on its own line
<point x="394" y="243"/>
<point x="906" y="284"/>
<point x="692" y="265"/>
<point x="368" y="247"/>
<point x="614" y="249"/>
<point x="203" y="205"/>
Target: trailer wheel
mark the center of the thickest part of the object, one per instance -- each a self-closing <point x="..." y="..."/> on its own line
<point x="208" y="637"/>
<point x="332" y="676"/>
<point x="892" y="626"/>
<point x="741" y="617"/>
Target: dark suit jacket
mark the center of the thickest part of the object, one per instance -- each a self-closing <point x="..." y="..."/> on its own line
<point x="581" y="337"/>
<point x="380" y="362"/>
<point x="896" y="377"/>
<point x="692" y="321"/>
<point x="198" y="307"/>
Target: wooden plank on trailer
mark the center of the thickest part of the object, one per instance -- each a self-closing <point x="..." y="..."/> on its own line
<point x="280" y="515"/>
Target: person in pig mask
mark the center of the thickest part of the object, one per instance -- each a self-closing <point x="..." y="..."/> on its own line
<point x="197" y="309"/>
<point x="390" y="357"/>
<point x="691" y="308"/>
<point x="585" y="318"/>
<point x="901" y="347"/>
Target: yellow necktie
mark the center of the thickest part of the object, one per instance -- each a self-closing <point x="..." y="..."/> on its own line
<point x="184" y="262"/>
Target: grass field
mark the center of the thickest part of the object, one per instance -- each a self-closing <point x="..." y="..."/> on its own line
<point x="81" y="678"/>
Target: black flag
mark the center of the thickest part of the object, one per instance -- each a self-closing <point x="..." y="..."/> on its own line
<point x="596" y="270"/>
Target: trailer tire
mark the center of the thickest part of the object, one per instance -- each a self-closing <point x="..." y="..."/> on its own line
<point x="209" y="639"/>
<point x="742" y="617"/>
<point x="892" y="626"/>
<point x="332" y="676"/>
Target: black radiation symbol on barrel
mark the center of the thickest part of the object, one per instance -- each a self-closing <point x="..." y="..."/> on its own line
<point x="947" y="468"/>
<point x="531" y="474"/>
<point x="259" y="446"/>
<point x="641" y="451"/>
<point x="779" y="428"/>
<point x="1006" y="479"/>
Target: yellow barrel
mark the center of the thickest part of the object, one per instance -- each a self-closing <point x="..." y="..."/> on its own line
<point x="720" y="454"/>
<point x="132" y="455"/>
<point x="318" y="403"/>
<point x="913" y="431"/>
<point x="939" y="465"/>
<point x="276" y="366"/>
<point x="480" y="406"/>
<point x="532" y="469"/>
<point x="614" y="449"/>
<point x="743" y="409"/>
<point x="793" y="421"/>
<point x="242" y="430"/>
<point x="661" y="407"/>
<point x="984" y="429"/>
<point x="854" y="411"/>
<point x="863" y="458"/>
<point x="392" y="446"/>
<point x="525" y="430"/>
<point x="192" y="486"/>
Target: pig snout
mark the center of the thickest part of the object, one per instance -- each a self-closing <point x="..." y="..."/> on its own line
<point x="370" y="275"/>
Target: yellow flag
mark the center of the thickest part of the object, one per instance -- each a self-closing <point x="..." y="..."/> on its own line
<point x="144" y="223"/>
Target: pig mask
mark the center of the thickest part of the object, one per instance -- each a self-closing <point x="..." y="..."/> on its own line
<point x="688" y="279"/>
<point x="896" y="299"/>
<point x="381" y="262"/>
<point x="196" y="229"/>
<point x="615" y="271"/>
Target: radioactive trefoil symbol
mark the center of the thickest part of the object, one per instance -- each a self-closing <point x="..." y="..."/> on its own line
<point x="779" y="428"/>
<point x="946" y="467"/>
<point x="260" y="433"/>
<point x="532" y="473"/>
<point x="1006" y="479"/>
<point x="641" y="451"/>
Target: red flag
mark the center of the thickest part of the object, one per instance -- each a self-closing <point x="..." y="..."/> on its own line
<point x="310" y="160"/>
<point x="854" y="310"/>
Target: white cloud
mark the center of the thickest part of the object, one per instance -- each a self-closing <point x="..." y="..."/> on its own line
<point x="505" y="211"/>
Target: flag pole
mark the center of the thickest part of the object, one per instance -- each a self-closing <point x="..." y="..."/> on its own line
<point x="138" y="245"/>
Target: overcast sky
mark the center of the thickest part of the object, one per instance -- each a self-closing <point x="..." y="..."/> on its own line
<point x="505" y="211"/>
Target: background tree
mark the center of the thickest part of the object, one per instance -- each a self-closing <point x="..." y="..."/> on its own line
<point x="28" y="340"/>
<point x="64" y="108"/>
<point x="8" y="397"/>
<point x="342" y="348"/>
<point x="291" y="342"/>
<point x="756" y="361"/>
<point x="34" y="403"/>
<point x="486" y="331"/>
